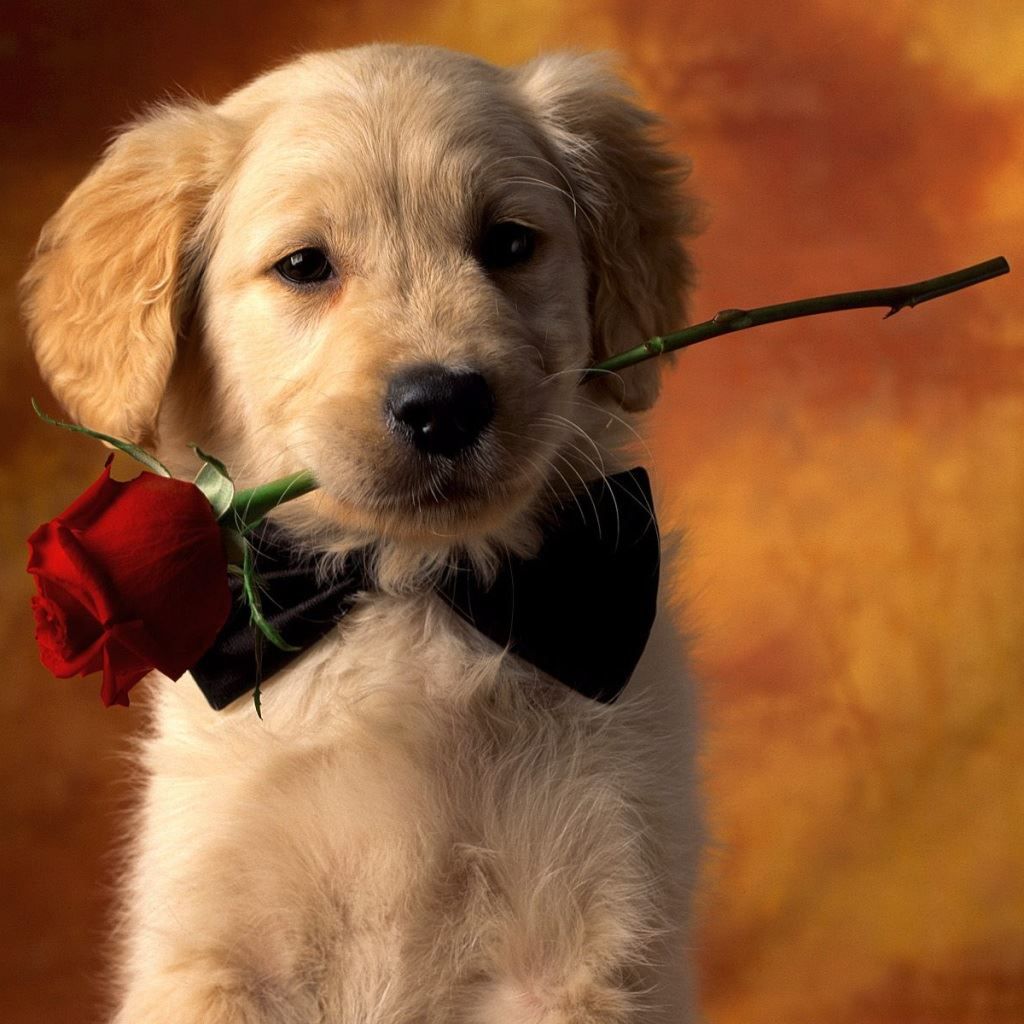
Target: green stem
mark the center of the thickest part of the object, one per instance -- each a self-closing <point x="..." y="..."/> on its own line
<point x="253" y="504"/>
<point x="729" y="320"/>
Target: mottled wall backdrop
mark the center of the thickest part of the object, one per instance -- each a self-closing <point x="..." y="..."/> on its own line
<point x="851" y="489"/>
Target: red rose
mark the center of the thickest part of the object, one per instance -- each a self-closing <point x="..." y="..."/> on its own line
<point x="132" y="577"/>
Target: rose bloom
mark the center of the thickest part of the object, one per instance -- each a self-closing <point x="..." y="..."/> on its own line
<point x="131" y="577"/>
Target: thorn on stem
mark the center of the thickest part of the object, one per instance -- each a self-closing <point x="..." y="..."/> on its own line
<point x="728" y="316"/>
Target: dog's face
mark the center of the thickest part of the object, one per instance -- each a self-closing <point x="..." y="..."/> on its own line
<point x="387" y="265"/>
<point x="397" y="298"/>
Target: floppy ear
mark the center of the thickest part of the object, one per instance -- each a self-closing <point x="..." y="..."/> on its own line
<point x="115" y="266"/>
<point x="631" y="211"/>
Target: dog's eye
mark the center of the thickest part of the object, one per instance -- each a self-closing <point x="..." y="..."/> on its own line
<point x="305" y="266"/>
<point x="506" y="244"/>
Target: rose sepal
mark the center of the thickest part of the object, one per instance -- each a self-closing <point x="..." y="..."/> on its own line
<point x="151" y="462"/>
<point x="250" y="587"/>
<point x="215" y="482"/>
<point x="238" y="514"/>
<point x="237" y="518"/>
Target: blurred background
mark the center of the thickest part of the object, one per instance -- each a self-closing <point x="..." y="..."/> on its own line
<point x="852" y="491"/>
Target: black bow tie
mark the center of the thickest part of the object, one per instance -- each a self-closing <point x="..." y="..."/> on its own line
<point x="581" y="610"/>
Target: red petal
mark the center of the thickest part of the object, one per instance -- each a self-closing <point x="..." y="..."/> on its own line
<point x="66" y="647"/>
<point x="123" y="666"/>
<point x="145" y="560"/>
<point x="58" y="556"/>
<point x="161" y="549"/>
<point x="91" y="502"/>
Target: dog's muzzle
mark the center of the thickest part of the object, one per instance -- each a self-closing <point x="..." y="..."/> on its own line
<point x="438" y="410"/>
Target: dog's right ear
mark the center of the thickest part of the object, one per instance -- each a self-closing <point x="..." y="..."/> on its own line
<point x="633" y="212"/>
<point x="115" y="267"/>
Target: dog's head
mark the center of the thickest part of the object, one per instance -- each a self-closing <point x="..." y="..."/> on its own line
<point x="388" y="265"/>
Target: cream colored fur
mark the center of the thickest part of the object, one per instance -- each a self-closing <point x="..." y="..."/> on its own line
<point x="422" y="829"/>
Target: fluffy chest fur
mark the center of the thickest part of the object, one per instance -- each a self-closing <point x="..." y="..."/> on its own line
<point x="420" y="829"/>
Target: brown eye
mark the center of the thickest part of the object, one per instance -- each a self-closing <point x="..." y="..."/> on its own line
<point x="305" y="266"/>
<point x="506" y="244"/>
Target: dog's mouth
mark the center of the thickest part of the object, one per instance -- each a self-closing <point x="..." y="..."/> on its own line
<point x="436" y="518"/>
<point x="438" y="496"/>
<point x="449" y="457"/>
<point x="471" y="492"/>
<point x="390" y="492"/>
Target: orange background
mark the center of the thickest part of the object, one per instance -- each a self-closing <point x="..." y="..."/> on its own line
<point x="851" y="489"/>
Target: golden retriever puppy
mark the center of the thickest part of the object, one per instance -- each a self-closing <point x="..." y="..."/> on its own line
<point x="424" y="828"/>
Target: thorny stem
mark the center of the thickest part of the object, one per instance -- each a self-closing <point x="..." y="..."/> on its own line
<point x="729" y="320"/>
<point x="252" y="504"/>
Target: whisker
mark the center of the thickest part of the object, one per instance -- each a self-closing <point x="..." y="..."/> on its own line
<point x="618" y="419"/>
<point x="558" y="418"/>
<point x="646" y="505"/>
<point x="548" y="163"/>
<point x="555" y="453"/>
<point x="587" y="491"/>
<point x="577" y="210"/>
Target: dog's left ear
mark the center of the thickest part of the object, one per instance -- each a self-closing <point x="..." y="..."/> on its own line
<point x="631" y="211"/>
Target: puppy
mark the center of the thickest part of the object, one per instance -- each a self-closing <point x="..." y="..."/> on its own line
<point x="423" y="828"/>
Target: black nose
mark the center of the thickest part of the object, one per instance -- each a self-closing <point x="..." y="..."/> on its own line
<point x="440" y="411"/>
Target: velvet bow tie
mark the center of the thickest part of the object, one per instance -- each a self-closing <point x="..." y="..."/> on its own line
<point x="581" y="610"/>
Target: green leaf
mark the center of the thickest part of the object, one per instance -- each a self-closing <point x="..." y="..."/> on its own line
<point x="251" y="588"/>
<point x="151" y="462"/>
<point x="215" y="482"/>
